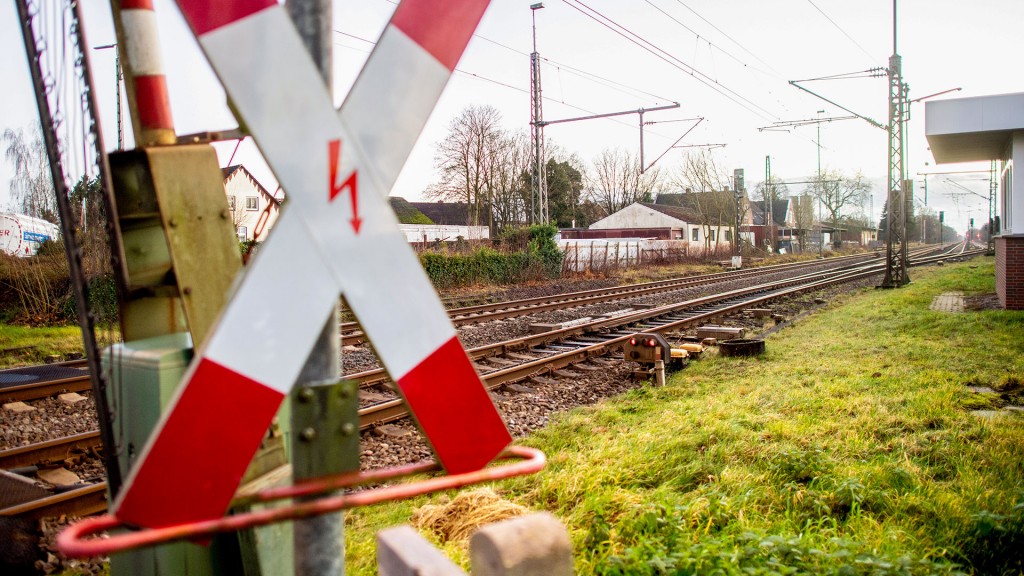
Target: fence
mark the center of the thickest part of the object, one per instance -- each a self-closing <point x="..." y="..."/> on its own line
<point x="606" y="254"/>
<point x="428" y="233"/>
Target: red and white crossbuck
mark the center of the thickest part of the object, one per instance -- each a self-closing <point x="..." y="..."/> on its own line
<point x="337" y="235"/>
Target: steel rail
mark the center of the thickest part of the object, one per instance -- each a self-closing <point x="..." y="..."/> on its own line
<point x="351" y="334"/>
<point x="49" y="450"/>
<point x="83" y="501"/>
<point x="92" y="499"/>
<point x="45" y="389"/>
<point x="735" y="300"/>
<point x="378" y="376"/>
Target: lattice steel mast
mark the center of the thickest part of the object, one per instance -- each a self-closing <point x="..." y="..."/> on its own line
<point x="896" y="221"/>
<point x="538" y="178"/>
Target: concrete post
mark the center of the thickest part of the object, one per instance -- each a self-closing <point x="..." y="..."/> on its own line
<point x="401" y="551"/>
<point x="533" y="545"/>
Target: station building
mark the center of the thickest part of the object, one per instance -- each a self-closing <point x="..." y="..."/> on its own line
<point x="989" y="128"/>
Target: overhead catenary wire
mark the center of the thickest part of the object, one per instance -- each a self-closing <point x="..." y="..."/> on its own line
<point x="840" y="28"/>
<point x="723" y="33"/>
<point x="670" y="59"/>
<point x="499" y="83"/>
<point x="596" y="78"/>
<point x="699" y="37"/>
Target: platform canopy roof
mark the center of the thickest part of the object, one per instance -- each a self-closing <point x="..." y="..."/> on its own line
<point x="973" y="129"/>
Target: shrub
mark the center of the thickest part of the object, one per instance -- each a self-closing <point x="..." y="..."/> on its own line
<point x="540" y="259"/>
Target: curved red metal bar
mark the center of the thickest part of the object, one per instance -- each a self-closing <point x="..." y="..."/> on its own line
<point x="75" y="541"/>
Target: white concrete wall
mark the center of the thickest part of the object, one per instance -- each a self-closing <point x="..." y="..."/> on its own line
<point x="599" y="254"/>
<point x="701" y="232"/>
<point x="432" y="232"/>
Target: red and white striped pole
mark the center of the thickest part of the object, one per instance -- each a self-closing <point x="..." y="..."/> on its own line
<point x="145" y="80"/>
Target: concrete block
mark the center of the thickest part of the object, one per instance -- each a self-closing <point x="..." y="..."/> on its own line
<point x="759" y="312"/>
<point x="392" y="431"/>
<point x="543" y="327"/>
<point x="533" y="545"/>
<point x="401" y="551"/>
<point x="18" y="407"/>
<point x="71" y="398"/>
<point x="59" y="476"/>
<point x="720" y="332"/>
<point x="622" y="312"/>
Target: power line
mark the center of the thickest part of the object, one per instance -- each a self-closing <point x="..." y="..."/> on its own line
<point x="578" y="72"/>
<point x="590" y="76"/>
<point x="697" y="34"/>
<point x="497" y="82"/>
<point x="840" y="28"/>
<point x="671" y="60"/>
<point x="734" y="41"/>
<point x="624" y="88"/>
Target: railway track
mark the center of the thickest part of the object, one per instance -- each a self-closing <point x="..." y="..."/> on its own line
<point x="351" y="334"/>
<point x="535" y="356"/>
<point x="542" y="354"/>
<point x="35" y="382"/>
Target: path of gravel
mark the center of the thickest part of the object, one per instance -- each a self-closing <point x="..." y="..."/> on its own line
<point x="52" y="418"/>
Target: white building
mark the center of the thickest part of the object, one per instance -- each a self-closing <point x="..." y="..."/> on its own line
<point x="248" y="200"/>
<point x="683" y="224"/>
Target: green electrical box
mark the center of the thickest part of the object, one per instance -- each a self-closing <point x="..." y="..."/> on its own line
<point x="143" y="376"/>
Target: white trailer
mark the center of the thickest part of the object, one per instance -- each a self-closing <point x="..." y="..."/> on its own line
<point x="22" y="235"/>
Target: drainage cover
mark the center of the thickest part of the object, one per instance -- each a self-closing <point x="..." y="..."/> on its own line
<point x="741" y="347"/>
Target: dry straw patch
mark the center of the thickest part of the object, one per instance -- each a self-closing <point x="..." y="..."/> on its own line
<point x="457" y="518"/>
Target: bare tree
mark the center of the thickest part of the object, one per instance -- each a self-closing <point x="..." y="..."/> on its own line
<point x="466" y="158"/>
<point x="803" y="217"/>
<point x="509" y="181"/>
<point x="617" y="182"/>
<point x="31" y="188"/>
<point x="836" y="191"/>
<point x="700" y="172"/>
<point x="707" y="193"/>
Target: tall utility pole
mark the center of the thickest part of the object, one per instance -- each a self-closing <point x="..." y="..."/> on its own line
<point x="739" y="186"/>
<point x="117" y="89"/>
<point x="896" y="223"/>
<point x="769" y="220"/>
<point x="924" y="226"/>
<point x="538" y="178"/>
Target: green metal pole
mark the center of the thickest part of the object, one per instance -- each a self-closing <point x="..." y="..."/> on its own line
<point x="324" y="419"/>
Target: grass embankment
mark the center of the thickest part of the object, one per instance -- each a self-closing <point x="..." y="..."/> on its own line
<point x="848" y="448"/>
<point x="24" y="345"/>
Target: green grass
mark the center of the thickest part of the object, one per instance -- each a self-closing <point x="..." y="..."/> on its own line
<point x="23" y="345"/>
<point x="848" y="448"/>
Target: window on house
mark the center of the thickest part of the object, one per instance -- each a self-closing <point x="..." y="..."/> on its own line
<point x="252" y="203"/>
<point x="728" y="235"/>
<point x="231" y="203"/>
<point x="243" y="234"/>
<point x="695" y="234"/>
<point x="711" y="235"/>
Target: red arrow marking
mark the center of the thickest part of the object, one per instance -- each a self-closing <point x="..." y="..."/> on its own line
<point x="334" y="149"/>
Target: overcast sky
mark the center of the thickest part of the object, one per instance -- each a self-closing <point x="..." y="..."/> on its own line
<point x="728" y="61"/>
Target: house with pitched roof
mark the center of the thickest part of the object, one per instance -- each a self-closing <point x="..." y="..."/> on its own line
<point x="667" y="222"/>
<point x="249" y="203"/>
